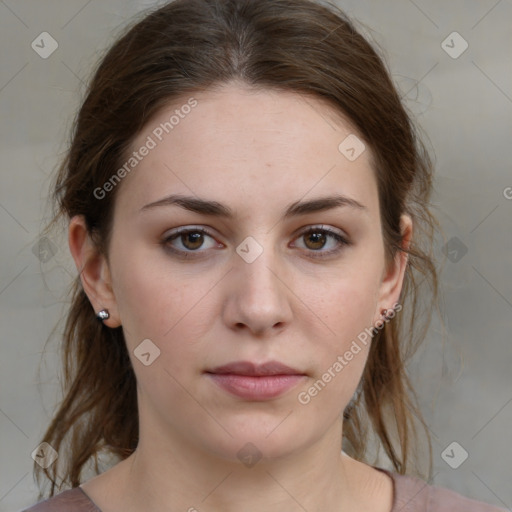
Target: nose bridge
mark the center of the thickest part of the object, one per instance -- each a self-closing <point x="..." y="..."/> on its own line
<point x="259" y="298"/>
<point x="258" y="266"/>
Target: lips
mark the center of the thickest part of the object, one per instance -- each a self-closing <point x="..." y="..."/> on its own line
<point x="256" y="382"/>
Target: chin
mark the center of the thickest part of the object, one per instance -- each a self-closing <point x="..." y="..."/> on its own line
<point x="256" y="441"/>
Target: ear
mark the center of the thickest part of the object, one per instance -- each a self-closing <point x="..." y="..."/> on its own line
<point x="93" y="269"/>
<point x="393" y="275"/>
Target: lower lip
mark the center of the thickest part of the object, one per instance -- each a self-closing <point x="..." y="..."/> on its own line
<point x="256" y="388"/>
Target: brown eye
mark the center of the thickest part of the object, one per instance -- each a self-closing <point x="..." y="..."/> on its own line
<point x="316" y="238"/>
<point x="185" y="241"/>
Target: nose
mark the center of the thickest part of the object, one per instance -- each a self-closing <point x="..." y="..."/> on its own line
<point x="258" y="295"/>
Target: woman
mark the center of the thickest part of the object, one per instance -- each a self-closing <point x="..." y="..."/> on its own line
<point x="248" y="213"/>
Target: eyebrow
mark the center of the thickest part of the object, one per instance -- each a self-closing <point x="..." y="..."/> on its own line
<point x="216" y="209"/>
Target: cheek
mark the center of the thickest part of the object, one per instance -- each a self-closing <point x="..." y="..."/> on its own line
<point x="171" y="309"/>
<point x="348" y="303"/>
<point x="347" y="307"/>
<point x="158" y="306"/>
<point x="153" y="302"/>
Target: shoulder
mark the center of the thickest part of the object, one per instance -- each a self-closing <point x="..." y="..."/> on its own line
<point x="414" y="495"/>
<point x="73" y="500"/>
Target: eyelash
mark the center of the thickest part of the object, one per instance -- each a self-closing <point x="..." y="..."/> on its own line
<point x="342" y="241"/>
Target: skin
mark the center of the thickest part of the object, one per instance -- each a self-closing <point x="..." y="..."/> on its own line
<point x="256" y="152"/>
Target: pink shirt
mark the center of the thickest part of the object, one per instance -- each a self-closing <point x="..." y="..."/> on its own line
<point x="410" y="495"/>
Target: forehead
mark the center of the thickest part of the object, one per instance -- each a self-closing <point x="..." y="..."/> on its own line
<point x="248" y="147"/>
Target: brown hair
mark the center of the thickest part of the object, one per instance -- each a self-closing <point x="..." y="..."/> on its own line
<point x="193" y="45"/>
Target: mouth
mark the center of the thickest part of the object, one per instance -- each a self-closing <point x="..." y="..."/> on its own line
<point x="256" y="382"/>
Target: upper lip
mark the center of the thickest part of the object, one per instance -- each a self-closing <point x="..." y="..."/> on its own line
<point x="253" y="369"/>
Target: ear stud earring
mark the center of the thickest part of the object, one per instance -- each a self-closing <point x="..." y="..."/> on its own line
<point x="103" y="315"/>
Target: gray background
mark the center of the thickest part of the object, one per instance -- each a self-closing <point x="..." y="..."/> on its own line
<point x="462" y="372"/>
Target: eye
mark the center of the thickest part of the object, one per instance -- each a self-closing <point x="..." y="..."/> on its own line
<point x="317" y="238"/>
<point x="184" y="241"/>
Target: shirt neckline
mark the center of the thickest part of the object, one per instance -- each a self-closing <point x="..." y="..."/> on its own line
<point x="393" y="476"/>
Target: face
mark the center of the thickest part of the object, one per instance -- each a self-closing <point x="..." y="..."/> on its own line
<point x="269" y="273"/>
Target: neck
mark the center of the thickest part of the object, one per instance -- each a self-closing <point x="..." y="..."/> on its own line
<point x="163" y="473"/>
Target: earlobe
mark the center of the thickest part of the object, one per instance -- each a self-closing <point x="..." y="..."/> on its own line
<point x="93" y="269"/>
